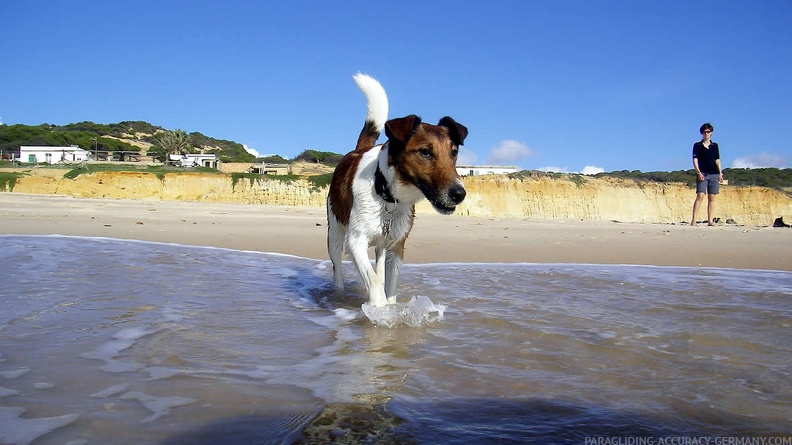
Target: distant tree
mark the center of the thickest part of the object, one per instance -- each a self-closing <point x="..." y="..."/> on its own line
<point x="132" y="127"/>
<point x="157" y="153"/>
<point x="174" y="142"/>
<point x="227" y="151"/>
<point x="317" y="157"/>
<point x="86" y="126"/>
<point x="762" y="177"/>
<point x="276" y="159"/>
<point x="332" y="159"/>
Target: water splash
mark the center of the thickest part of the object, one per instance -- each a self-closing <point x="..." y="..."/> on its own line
<point x="419" y="311"/>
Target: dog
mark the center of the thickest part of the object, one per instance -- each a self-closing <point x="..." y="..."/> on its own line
<point x="373" y="191"/>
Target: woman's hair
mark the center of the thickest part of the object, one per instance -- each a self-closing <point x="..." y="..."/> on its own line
<point x="706" y="126"/>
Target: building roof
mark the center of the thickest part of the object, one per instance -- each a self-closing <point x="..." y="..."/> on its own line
<point x="486" y="166"/>
<point x="46" y="148"/>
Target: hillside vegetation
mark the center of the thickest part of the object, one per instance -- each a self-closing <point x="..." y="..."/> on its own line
<point x="775" y="178"/>
<point x="115" y="137"/>
<point x="131" y="136"/>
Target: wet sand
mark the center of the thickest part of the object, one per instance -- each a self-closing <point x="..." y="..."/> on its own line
<point x="301" y="231"/>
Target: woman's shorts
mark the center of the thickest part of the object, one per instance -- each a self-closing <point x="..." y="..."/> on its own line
<point x="709" y="185"/>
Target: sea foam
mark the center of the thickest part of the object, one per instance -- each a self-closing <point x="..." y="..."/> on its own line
<point x="419" y="311"/>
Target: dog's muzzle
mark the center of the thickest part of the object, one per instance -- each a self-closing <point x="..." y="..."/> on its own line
<point x="446" y="203"/>
<point x="457" y="194"/>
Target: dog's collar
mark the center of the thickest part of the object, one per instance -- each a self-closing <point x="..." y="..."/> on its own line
<point x="381" y="187"/>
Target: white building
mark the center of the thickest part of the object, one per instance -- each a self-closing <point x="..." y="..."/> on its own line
<point x="266" y="168"/>
<point x="194" y="160"/>
<point x="476" y="170"/>
<point x="52" y="155"/>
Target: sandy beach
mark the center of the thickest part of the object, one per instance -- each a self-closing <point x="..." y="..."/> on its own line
<point x="301" y="231"/>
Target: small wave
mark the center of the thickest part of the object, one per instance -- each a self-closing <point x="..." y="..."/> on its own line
<point x="419" y="311"/>
<point x="24" y="430"/>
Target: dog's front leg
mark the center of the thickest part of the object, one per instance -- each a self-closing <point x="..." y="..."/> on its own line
<point x="393" y="264"/>
<point x="379" y="263"/>
<point x="375" y="286"/>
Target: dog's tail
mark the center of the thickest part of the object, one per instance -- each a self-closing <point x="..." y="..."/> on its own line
<point x="377" y="114"/>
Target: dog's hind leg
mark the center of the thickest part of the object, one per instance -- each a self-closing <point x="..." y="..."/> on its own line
<point x="335" y="249"/>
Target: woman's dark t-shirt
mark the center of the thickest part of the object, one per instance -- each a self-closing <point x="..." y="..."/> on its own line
<point x="707" y="157"/>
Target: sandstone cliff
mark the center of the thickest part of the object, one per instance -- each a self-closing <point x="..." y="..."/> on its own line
<point x="488" y="196"/>
<point x="614" y="199"/>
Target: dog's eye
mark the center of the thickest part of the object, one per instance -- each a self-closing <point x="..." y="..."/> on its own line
<point x="454" y="153"/>
<point x="425" y="153"/>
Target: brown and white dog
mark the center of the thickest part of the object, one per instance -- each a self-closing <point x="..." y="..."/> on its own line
<point x="375" y="187"/>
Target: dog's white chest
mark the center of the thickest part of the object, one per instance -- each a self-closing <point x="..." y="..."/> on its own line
<point x="381" y="227"/>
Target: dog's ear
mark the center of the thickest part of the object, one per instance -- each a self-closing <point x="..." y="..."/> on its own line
<point x="456" y="131"/>
<point x="402" y="128"/>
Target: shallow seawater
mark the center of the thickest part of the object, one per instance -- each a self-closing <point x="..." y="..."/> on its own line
<point x="108" y="341"/>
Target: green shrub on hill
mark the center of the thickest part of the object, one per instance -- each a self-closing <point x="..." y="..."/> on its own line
<point x="228" y="151"/>
<point x="320" y="181"/>
<point x="8" y="180"/>
<point x="92" y="136"/>
<point x="158" y="170"/>
<point x="275" y="159"/>
<point x="775" y="178"/>
<point x="761" y="177"/>
<point x="319" y="157"/>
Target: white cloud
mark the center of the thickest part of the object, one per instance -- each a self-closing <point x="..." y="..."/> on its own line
<point x="760" y="161"/>
<point x="252" y="151"/>
<point x="587" y="170"/>
<point x="551" y="169"/>
<point x="592" y="170"/>
<point x="509" y="152"/>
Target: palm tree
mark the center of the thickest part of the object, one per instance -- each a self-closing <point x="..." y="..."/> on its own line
<point x="175" y="142"/>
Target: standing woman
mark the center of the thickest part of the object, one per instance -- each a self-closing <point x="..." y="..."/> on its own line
<point x="706" y="161"/>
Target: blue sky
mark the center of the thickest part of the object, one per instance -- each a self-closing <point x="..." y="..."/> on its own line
<point x="575" y="86"/>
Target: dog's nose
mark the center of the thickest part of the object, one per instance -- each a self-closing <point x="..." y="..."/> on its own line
<point x="457" y="194"/>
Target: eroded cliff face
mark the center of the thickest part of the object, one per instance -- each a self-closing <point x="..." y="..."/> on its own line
<point x="613" y="199"/>
<point x="176" y="187"/>
<point x="487" y="196"/>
